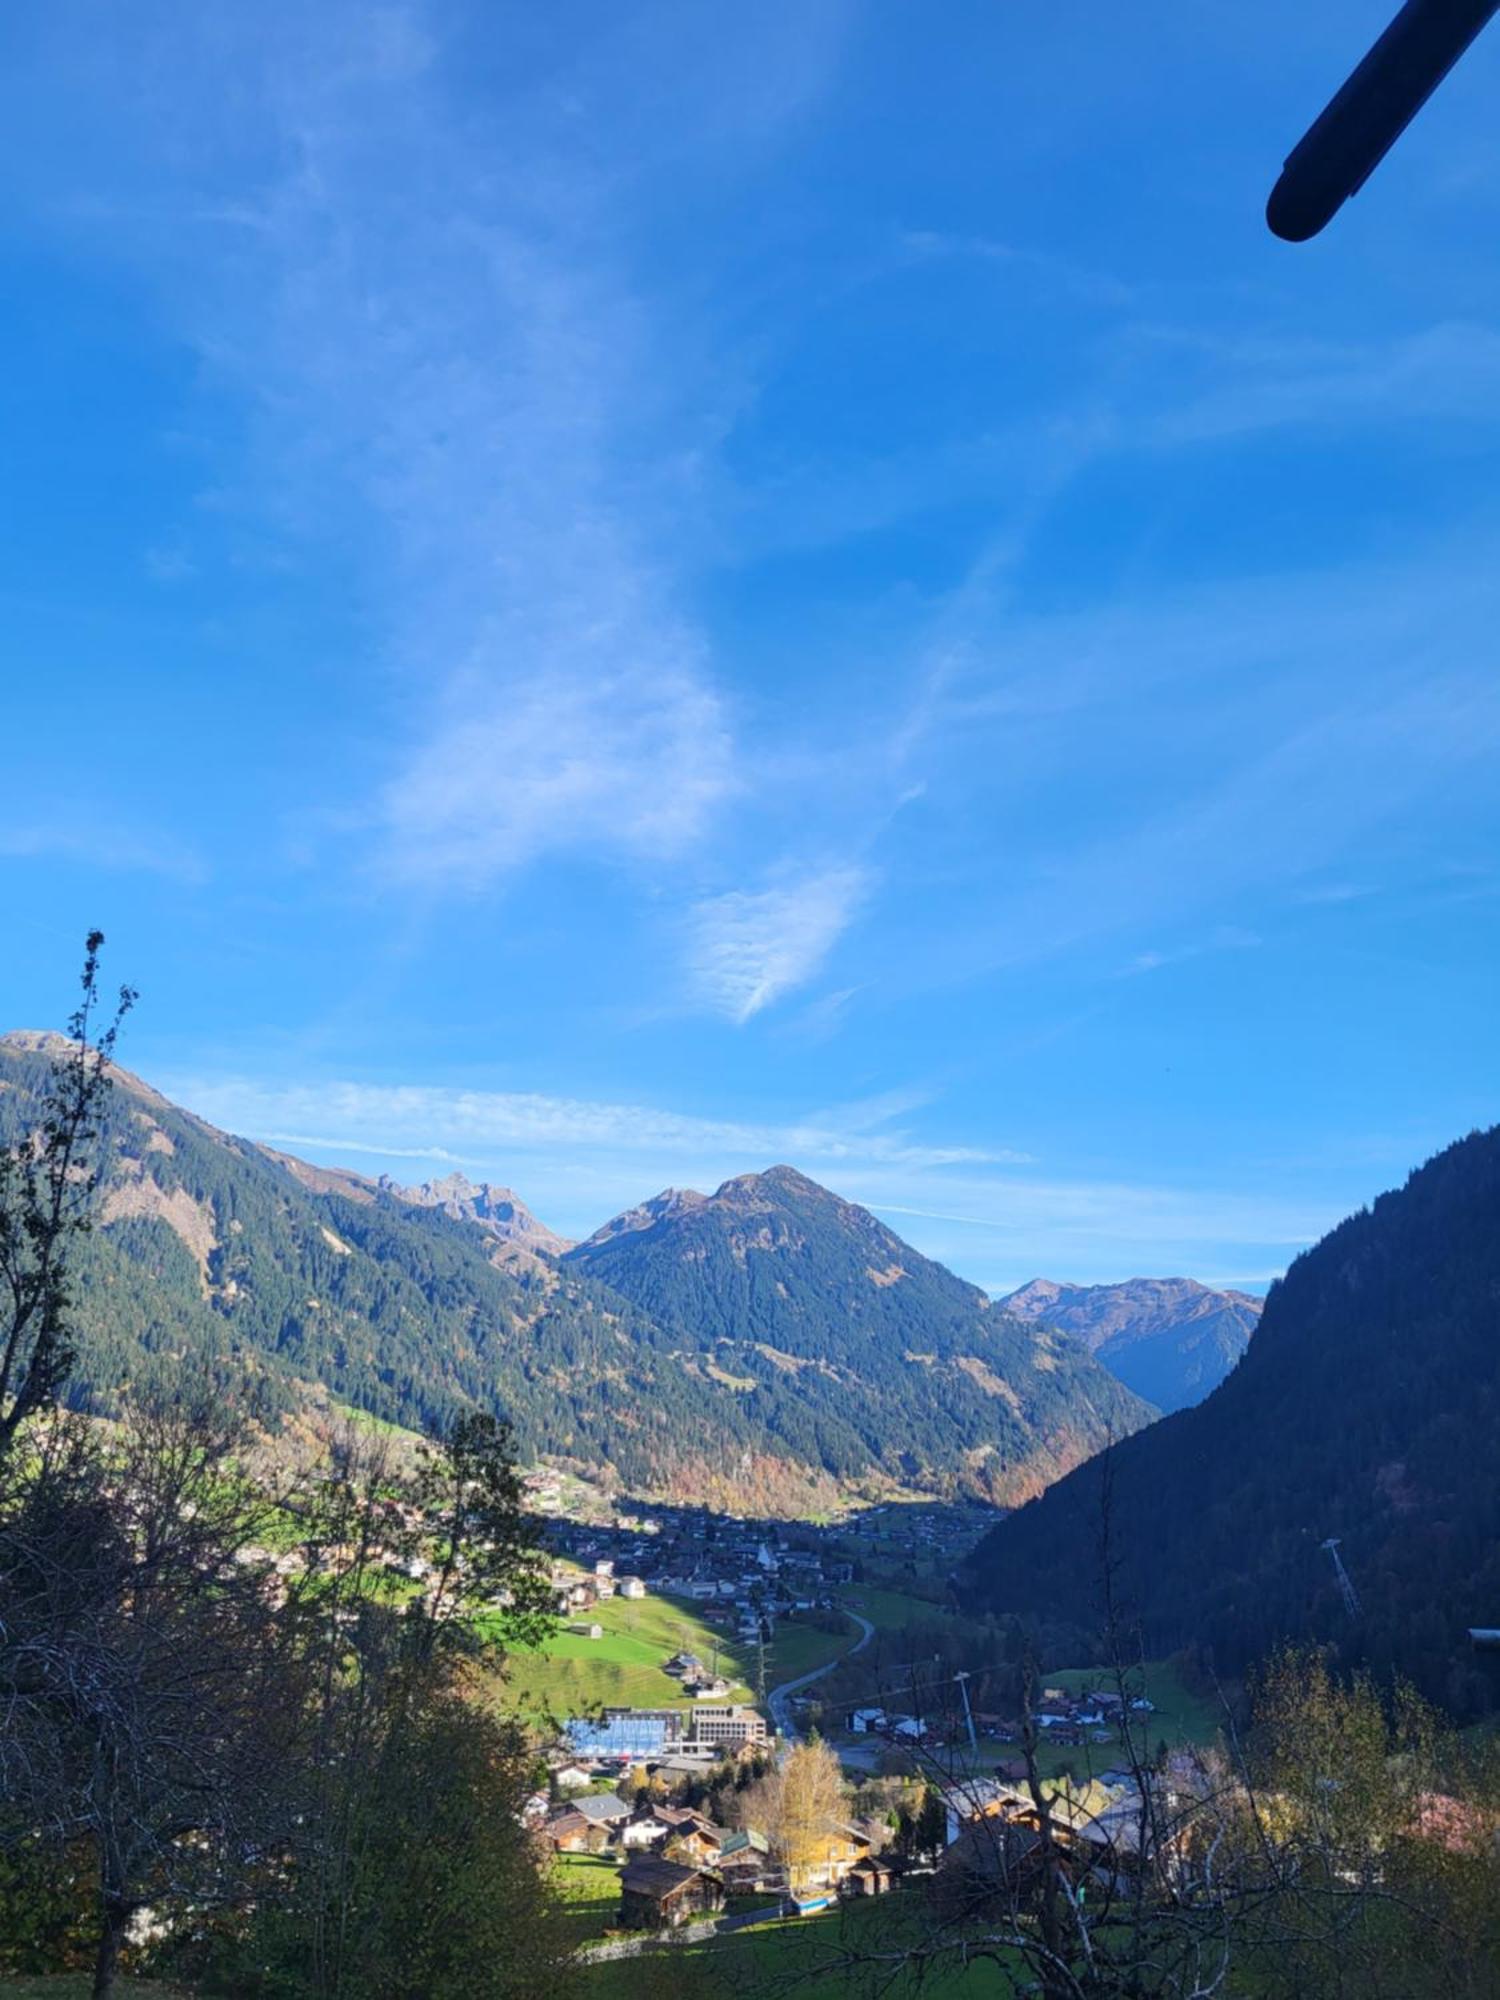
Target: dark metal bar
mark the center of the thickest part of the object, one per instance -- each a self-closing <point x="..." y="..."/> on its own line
<point x="1343" y="147"/>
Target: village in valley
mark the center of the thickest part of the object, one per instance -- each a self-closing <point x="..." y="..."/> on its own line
<point x="697" y="1656"/>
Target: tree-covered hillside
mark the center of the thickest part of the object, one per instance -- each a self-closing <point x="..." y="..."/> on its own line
<point x="848" y="1339"/>
<point x="1367" y="1408"/>
<point x="211" y="1248"/>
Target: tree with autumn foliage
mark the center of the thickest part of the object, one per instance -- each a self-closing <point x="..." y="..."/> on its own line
<point x="795" y="1803"/>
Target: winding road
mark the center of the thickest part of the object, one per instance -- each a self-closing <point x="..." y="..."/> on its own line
<point x="779" y="1699"/>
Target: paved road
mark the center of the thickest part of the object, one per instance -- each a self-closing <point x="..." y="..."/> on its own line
<point x="778" y="1700"/>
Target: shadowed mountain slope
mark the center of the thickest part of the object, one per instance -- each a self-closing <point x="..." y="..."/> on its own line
<point x="1367" y="1408"/>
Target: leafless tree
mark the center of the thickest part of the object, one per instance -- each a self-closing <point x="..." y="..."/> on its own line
<point x="49" y="1177"/>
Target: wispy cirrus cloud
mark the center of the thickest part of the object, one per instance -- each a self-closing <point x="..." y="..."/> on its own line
<point x="988" y="1212"/>
<point x="418" y="1121"/>
<point x="619" y="760"/>
<point x="457" y="378"/>
<point x="1228" y="937"/>
<point x="747" y="948"/>
<point x="470" y="359"/>
<point x="1240" y="385"/>
<point x="1316" y="716"/>
<point x="113" y="846"/>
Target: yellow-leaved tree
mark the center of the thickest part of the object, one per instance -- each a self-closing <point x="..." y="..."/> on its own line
<point x="796" y="1805"/>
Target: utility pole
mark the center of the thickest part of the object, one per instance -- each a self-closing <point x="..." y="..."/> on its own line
<point x="963" y="1688"/>
<point x="1346" y="1587"/>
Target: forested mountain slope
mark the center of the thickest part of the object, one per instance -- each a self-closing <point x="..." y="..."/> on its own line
<point x="211" y="1250"/>
<point x="1171" y="1340"/>
<point x="852" y="1342"/>
<point x="1367" y="1407"/>
<point x="214" y="1251"/>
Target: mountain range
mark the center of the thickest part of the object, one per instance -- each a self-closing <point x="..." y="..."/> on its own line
<point x="768" y="1346"/>
<point x="1365" y="1411"/>
<point x="1171" y="1340"/>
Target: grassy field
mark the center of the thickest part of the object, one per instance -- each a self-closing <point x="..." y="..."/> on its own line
<point x="808" y="1955"/>
<point x="889" y="1610"/>
<point x="77" y="1986"/>
<point x="1181" y="1717"/>
<point x="589" y="1884"/>
<point x="797" y="1648"/>
<point x="574" y="1674"/>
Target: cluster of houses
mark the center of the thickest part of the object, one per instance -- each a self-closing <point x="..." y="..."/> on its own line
<point x="905" y="1730"/>
<point x="742" y="1574"/>
<point x="572" y="1594"/>
<point x="1092" y="1717"/>
<point x="997" y="1845"/>
<point x="678" y="1867"/>
<point x="702" y="1683"/>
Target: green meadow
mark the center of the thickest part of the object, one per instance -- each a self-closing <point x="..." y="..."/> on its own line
<point x="573" y="1674"/>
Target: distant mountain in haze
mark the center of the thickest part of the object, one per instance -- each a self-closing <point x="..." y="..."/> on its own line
<point x="1366" y="1408"/>
<point x="1171" y="1340"/>
<point x="795" y="1351"/>
<point x="854" y="1343"/>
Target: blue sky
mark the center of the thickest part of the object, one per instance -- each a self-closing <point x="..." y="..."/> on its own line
<point x="616" y="593"/>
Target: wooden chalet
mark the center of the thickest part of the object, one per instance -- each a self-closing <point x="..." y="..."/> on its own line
<point x="833" y="1854"/>
<point x="744" y="1859"/>
<point x="691" y="1836"/>
<point x="994" y="1863"/>
<point x="869" y="1876"/>
<point x="569" y="1832"/>
<point x="659" y="1895"/>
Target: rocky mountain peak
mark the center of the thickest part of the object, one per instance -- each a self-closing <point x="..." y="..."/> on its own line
<point x="661" y="1207"/>
<point x="497" y="1210"/>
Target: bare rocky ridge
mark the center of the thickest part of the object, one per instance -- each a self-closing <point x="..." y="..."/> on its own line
<point x="496" y="1210"/>
<point x="645" y="1215"/>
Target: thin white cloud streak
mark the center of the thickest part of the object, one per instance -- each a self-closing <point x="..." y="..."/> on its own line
<point x="397" y="1120"/>
<point x="1309" y="714"/>
<point x="1091" y="1213"/>
<point x="112" y="847"/>
<point x="748" y="948"/>
<point x="1446" y="372"/>
<point x="1228" y="938"/>
<point x="985" y="1212"/>
<point x="1003" y="1230"/>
